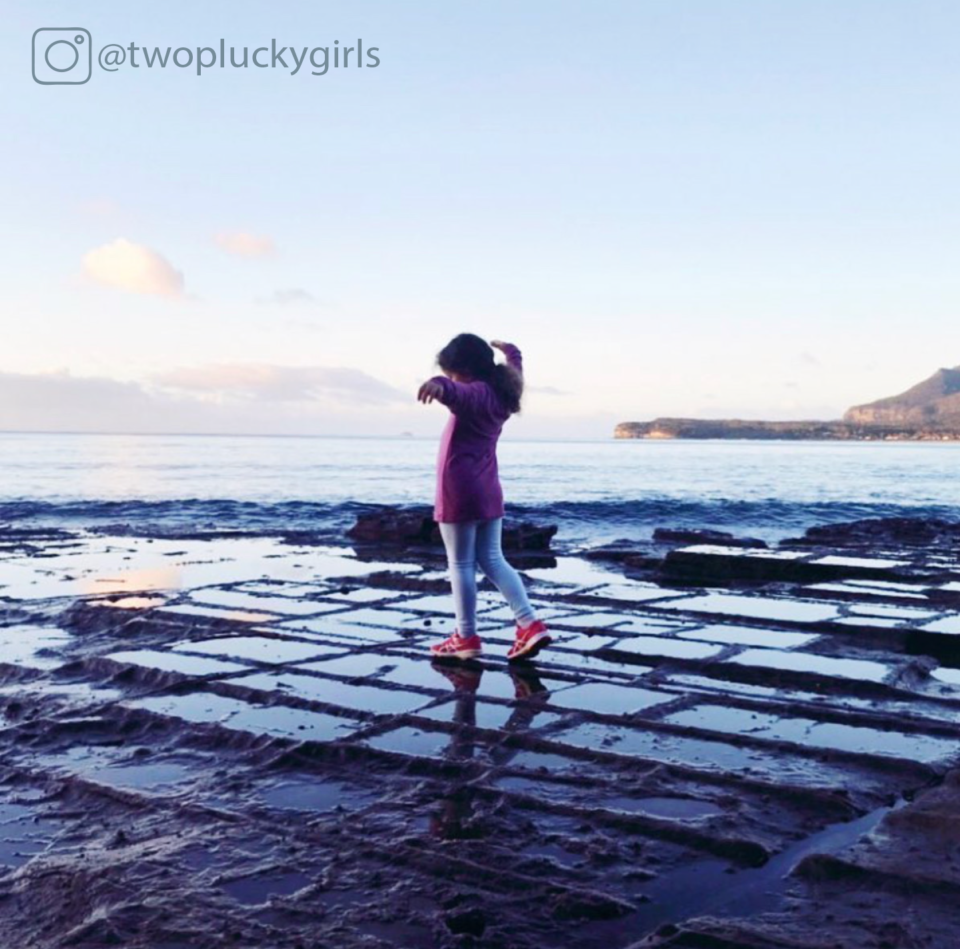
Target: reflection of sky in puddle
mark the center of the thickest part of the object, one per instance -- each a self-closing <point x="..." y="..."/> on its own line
<point x="138" y="564"/>
<point x="175" y="662"/>
<point x="678" y="808"/>
<point x="700" y="753"/>
<point x="388" y="667"/>
<point x="749" y="636"/>
<point x="211" y="612"/>
<point x="800" y="611"/>
<point x="634" y="592"/>
<point x="805" y="731"/>
<point x="667" y="648"/>
<point x="490" y="715"/>
<point x="253" y="891"/>
<point x="103" y="766"/>
<point x="280" y="720"/>
<point x="259" y="648"/>
<point x="608" y="699"/>
<point x="331" y="628"/>
<point x="893" y="612"/>
<point x="949" y="624"/>
<point x="365" y="698"/>
<point x="22" y="645"/>
<point x="571" y="571"/>
<point x="24" y="832"/>
<point x="834" y="560"/>
<point x="313" y="794"/>
<point x="860" y="669"/>
<point x="862" y="589"/>
<point x="411" y="741"/>
<point x="271" y="604"/>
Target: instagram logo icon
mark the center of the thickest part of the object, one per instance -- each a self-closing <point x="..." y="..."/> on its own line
<point x="62" y="56"/>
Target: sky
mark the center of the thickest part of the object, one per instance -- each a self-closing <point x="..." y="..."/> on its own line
<point x="701" y="208"/>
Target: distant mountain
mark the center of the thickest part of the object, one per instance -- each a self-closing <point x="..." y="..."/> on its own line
<point x="930" y="411"/>
<point x="933" y="403"/>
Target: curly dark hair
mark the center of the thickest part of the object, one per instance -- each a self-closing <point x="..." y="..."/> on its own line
<point x="470" y="355"/>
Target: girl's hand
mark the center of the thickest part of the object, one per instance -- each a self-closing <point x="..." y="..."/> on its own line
<point x="429" y="391"/>
<point x="498" y="344"/>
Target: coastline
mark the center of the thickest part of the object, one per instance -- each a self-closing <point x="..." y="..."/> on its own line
<point x="664" y="429"/>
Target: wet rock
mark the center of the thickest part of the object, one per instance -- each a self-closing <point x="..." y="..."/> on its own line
<point x="415" y="526"/>
<point x="894" y="531"/>
<point x="671" y="535"/>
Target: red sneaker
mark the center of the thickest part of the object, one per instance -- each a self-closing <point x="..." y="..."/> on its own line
<point x="456" y="647"/>
<point x="529" y="641"/>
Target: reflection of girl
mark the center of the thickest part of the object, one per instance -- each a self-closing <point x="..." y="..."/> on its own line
<point x="481" y="395"/>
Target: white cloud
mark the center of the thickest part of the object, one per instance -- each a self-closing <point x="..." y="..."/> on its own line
<point x="242" y="244"/>
<point x="336" y="402"/>
<point x="268" y="383"/>
<point x="133" y="267"/>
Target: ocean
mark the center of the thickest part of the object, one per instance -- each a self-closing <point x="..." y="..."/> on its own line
<point x="596" y="491"/>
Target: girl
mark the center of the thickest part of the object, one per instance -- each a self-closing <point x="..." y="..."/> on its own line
<point x="481" y="396"/>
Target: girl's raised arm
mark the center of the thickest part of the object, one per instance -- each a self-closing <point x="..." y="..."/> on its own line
<point x="511" y="353"/>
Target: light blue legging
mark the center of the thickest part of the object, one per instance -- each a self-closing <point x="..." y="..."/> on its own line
<point x="477" y="543"/>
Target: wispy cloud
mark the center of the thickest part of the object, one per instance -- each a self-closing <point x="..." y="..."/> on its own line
<point x="547" y="390"/>
<point x="292" y="296"/>
<point x="243" y="244"/>
<point x="134" y="268"/>
<point x="269" y="383"/>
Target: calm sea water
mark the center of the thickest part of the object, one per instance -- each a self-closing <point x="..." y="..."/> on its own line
<point x="596" y="491"/>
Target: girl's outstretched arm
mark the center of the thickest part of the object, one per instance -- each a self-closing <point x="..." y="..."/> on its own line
<point x="429" y="391"/>
<point x="459" y="397"/>
<point x="510" y="352"/>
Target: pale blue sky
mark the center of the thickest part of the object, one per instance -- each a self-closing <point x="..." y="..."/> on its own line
<point x="680" y="207"/>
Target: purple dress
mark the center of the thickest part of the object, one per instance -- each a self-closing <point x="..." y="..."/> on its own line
<point x="468" y="483"/>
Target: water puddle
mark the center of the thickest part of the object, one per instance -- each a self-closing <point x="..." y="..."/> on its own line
<point x="949" y="625"/>
<point x="366" y="698"/>
<point x="285" y="606"/>
<point x="864" y="563"/>
<point x="608" y="699"/>
<point x="254" y="891"/>
<point x="411" y="741"/>
<point x="314" y="795"/>
<point x="701" y="753"/>
<point x="175" y="662"/>
<point x="332" y="628"/>
<point x="479" y="714"/>
<point x="634" y="592"/>
<point x="675" y="808"/>
<point x="265" y="649"/>
<point x="116" y="768"/>
<point x="797" y="611"/>
<point x="861" y="670"/>
<point x="893" y="612"/>
<point x="827" y="735"/>
<point x="667" y="648"/>
<point x="24" y="833"/>
<point x="32" y="646"/>
<point x="386" y="667"/>
<point x="224" y="615"/>
<point x="278" y="720"/>
<point x="749" y="636"/>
